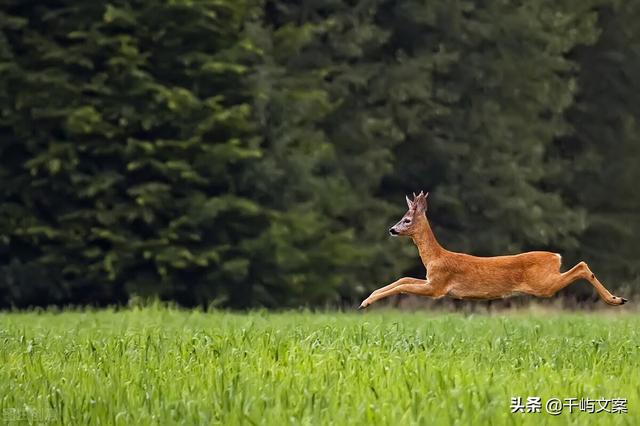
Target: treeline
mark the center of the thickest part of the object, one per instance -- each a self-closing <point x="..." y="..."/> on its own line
<point x="246" y="153"/>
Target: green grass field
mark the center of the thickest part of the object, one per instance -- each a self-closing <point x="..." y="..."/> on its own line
<point x="168" y="366"/>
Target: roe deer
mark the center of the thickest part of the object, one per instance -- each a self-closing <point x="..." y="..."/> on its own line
<point x="463" y="276"/>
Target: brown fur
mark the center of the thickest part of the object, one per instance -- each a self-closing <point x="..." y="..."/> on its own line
<point x="463" y="276"/>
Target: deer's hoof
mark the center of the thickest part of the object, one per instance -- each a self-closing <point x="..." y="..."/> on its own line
<point x="362" y="306"/>
<point x="619" y="300"/>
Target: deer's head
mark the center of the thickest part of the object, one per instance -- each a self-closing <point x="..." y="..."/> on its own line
<point x="414" y="218"/>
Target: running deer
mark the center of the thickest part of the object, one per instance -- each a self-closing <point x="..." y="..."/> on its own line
<point x="462" y="276"/>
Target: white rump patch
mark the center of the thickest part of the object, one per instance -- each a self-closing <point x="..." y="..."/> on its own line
<point x="559" y="261"/>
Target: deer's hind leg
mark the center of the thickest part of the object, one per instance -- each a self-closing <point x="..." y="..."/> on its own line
<point x="556" y="282"/>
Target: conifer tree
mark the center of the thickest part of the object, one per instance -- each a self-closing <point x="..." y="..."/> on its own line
<point x="604" y="148"/>
<point x="125" y="128"/>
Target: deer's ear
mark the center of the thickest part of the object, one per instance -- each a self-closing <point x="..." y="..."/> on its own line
<point x="409" y="203"/>
<point x="421" y="201"/>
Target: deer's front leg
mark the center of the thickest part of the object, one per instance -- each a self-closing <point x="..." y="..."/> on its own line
<point x="404" y="280"/>
<point x="405" y="285"/>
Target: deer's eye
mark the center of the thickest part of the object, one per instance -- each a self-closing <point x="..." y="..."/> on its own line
<point x="406" y="221"/>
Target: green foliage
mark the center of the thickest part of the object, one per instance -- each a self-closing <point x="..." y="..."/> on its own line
<point x="605" y="147"/>
<point x="317" y="112"/>
<point x="124" y="138"/>
<point x="255" y="152"/>
<point x="165" y="366"/>
<point x="479" y="92"/>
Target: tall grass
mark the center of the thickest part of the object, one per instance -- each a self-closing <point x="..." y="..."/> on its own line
<point x="158" y="365"/>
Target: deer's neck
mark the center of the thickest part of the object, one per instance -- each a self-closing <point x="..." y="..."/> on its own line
<point x="428" y="246"/>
